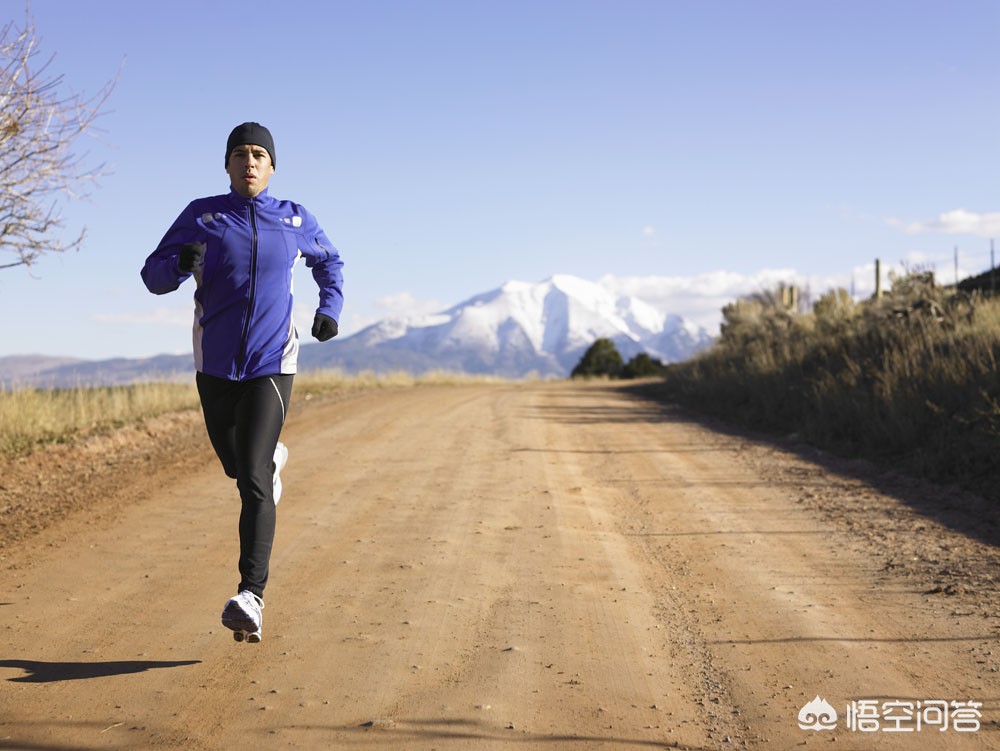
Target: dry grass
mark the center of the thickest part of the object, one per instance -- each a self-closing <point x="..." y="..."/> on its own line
<point x="910" y="380"/>
<point x="31" y="418"/>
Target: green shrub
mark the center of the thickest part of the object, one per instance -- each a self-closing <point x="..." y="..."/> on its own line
<point x="601" y="359"/>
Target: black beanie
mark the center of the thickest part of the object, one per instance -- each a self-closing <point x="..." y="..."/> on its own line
<point x="250" y="133"/>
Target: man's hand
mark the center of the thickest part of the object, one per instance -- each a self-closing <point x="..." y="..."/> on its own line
<point x="192" y="256"/>
<point x="324" y="327"/>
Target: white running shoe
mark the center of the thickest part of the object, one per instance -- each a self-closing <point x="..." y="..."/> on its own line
<point x="242" y="615"/>
<point x="280" y="459"/>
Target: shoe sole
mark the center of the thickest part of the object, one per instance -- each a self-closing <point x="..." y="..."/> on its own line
<point x="249" y="638"/>
<point x="235" y="619"/>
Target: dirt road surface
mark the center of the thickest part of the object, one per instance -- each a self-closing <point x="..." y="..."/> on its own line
<point x="552" y="566"/>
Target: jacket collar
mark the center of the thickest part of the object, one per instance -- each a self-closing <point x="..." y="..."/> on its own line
<point x="259" y="200"/>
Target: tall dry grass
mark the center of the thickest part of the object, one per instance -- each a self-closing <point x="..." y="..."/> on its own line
<point x="909" y="380"/>
<point x="31" y="418"/>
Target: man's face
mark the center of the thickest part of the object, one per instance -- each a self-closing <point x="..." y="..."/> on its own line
<point x="249" y="169"/>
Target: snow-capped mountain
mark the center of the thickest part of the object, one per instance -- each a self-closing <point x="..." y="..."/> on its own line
<point x="516" y="330"/>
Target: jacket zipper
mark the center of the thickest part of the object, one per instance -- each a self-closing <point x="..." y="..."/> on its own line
<point x="244" y="341"/>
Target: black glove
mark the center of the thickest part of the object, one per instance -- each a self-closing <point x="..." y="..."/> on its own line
<point x="191" y="257"/>
<point x="324" y="327"/>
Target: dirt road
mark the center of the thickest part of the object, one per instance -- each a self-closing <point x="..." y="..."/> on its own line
<point x="517" y="566"/>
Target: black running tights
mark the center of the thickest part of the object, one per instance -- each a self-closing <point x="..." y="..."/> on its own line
<point x="244" y="420"/>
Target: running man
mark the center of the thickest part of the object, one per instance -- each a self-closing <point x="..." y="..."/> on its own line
<point x="240" y="248"/>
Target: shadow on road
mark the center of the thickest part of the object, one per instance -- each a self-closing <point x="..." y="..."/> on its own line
<point x="965" y="512"/>
<point x="50" y="672"/>
<point x="389" y="733"/>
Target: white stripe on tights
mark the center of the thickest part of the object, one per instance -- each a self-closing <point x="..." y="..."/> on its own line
<point x="282" y="401"/>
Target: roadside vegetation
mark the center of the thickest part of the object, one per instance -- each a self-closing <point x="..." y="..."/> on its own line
<point x="908" y="380"/>
<point x="31" y="418"/>
<point x="603" y="360"/>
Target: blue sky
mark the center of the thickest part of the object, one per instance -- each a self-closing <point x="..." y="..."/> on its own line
<point x="447" y="147"/>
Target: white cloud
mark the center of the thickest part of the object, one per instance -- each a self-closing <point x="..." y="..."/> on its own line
<point x="955" y="222"/>
<point x="700" y="298"/>
<point x="406" y="305"/>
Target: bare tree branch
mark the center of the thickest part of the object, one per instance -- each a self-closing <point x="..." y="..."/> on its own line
<point x="39" y="128"/>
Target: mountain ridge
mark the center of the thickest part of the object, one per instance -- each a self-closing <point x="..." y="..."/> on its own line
<point x="516" y="330"/>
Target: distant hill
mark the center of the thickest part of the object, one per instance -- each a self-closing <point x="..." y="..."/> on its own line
<point x="18" y="368"/>
<point x="988" y="282"/>
<point x="516" y="330"/>
<point x="54" y="372"/>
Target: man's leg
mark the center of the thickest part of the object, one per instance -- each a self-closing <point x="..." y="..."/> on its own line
<point x="218" y="404"/>
<point x="260" y="415"/>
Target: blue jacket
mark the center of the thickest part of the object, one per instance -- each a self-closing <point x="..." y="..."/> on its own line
<point x="243" y="302"/>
